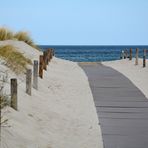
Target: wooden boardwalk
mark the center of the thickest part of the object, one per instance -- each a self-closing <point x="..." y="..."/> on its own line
<point x="122" y="109"/>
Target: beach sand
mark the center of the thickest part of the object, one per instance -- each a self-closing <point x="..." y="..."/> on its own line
<point x="60" y="114"/>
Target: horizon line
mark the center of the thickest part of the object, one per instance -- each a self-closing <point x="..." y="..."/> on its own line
<point x="86" y="45"/>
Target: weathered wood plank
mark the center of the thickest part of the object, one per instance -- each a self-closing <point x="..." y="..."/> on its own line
<point x="28" y="81"/>
<point x="35" y="74"/>
<point x="122" y="108"/>
<point x="14" y="93"/>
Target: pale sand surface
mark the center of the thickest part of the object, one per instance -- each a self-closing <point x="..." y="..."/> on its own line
<point x="136" y="73"/>
<point x="61" y="114"/>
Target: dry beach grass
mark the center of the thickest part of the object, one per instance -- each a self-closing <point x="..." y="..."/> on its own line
<point x="24" y="36"/>
<point x="7" y="34"/>
<point x="14" y="59"/>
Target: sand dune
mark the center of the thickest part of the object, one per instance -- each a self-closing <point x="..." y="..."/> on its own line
<point x="61" y="114"/>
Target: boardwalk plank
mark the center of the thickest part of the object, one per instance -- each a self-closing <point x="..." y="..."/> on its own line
<point x="122" y="108"/>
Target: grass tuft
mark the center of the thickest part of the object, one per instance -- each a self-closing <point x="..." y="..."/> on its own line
<point x="24" y="36"/>
<point x="5" y="34"/>
<point x="4" y="101"/>
<point x="15" y="60"/>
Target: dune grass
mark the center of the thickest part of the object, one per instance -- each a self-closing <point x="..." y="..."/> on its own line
<point x="15" y="60"/>
<point x="24" y="36"/>
<point x="4" y="101"/>
<point x="6" y="34"/>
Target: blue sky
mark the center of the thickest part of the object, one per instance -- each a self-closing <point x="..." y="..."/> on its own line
<point x="79" y="22"/>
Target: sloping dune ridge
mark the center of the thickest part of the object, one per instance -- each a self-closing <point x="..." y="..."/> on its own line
<point x="60" y="114"/>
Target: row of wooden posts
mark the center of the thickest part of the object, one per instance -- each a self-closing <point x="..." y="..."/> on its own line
<point x="136" y="56"/>
<point x="43" y="62"/>
<point x="38" y="69"/>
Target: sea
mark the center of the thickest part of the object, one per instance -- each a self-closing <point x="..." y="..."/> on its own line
<point x="91" y="53"/>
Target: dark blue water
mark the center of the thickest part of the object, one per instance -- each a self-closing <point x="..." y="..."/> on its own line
<point x="91" y="53"/>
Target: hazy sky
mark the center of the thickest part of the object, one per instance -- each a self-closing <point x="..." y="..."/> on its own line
<point x="79" y="22"/>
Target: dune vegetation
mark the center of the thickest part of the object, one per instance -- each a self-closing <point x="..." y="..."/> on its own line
<point x="3" y="102"/>
<point x="15" y="60"/>
<point x="24" y="36"/>
<point x="6" y="34"/>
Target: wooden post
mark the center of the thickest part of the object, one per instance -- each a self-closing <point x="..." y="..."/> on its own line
<point x="28" y="81"/>
<point x="136" y="61"/>
<point x="45" y="60"/>
<point x="130" y="56"/>
<point x="122" y="54"/>
<point x="52" y="52"/>
<point x="35" y="74"/>
<point x="41" y="66"/>
<point x="49" y="54"/>
<point x="14" y="93"/>
<point x="144" y="58"/>
<point x="47" y="57"/>
<point x="126" y="53"/>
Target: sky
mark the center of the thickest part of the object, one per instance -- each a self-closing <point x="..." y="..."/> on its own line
<point x="78" y="22"/>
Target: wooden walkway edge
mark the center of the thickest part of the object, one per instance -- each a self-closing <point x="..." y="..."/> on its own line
<point x="121" y="107"/>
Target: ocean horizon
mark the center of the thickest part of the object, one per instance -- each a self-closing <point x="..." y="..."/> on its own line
<point x="92" y="53"/>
